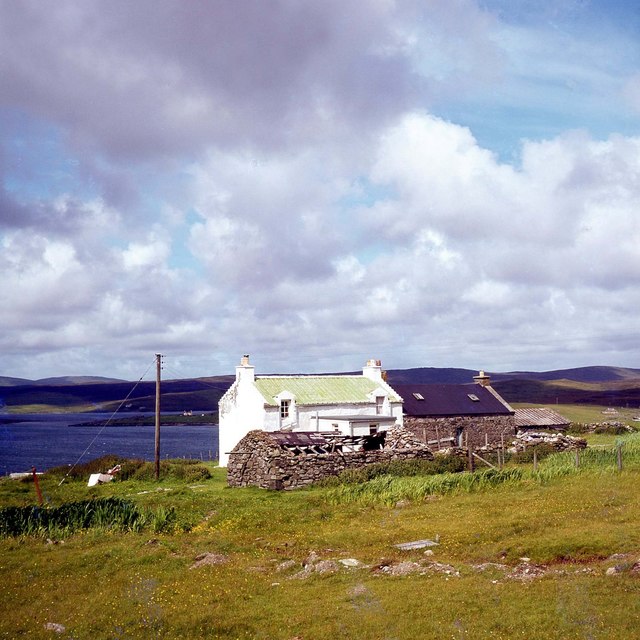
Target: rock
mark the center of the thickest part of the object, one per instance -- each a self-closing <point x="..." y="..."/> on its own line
<point x="417" y="544"/>
<point x="326" y="566"/>
<point x="527" y="571"/>
<point x="287" y="564"/>
<point x="401" y="569"/>
<point x="350" y="562"/>
<point x="207" y="559"/>
<point x="613" y="571"/>
<point x="440" y="567"/>
<point x="55" y="627"/>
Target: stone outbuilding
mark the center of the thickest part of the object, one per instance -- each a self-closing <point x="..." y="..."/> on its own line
<point x="540" y="419"/>
<point x="352" y="404"/>
<point x="458" y="415"/>
<point x="290" y="460"/>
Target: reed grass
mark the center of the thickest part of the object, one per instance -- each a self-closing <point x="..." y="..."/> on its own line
<point x="389" y="489"/>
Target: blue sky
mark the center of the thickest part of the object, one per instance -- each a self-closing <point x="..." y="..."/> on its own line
<point x="428" y="182"/>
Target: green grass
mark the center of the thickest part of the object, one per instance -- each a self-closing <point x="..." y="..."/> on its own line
<point x="587" y="413"/>
<point x="103" y="583"/>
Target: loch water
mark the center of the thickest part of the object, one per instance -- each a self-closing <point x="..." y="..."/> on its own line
<point x="48" y="440"/>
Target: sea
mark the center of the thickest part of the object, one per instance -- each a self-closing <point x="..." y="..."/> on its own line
<point x="50" y="440"/>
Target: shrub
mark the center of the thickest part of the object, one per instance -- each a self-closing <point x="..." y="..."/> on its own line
<point x="397" y="468"/>
<point x="526" y="456"/>
<point x="108" y="513"/>
<point x="83" y="471"/>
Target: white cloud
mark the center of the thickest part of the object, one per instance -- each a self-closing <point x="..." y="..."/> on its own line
<point x="285" y="157"/>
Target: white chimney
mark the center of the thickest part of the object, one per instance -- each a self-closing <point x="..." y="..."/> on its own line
<point x="373" y="370"/>
<point x="245" y="371"/>
<point x="482" y="379"/>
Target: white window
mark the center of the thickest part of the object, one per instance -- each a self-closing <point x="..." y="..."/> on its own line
<point x="379" y="404"/>
<point x="284" y="408"/>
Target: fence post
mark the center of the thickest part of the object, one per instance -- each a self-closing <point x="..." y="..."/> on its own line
<point x="37" y="485"/>
<point x="470" y="459"/>
<point x="535" y="458"/>
<point x="577" y="458"/>
<point x="619" y="456"/>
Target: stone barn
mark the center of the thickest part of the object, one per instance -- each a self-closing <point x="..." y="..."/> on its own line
<point x="540" y="419"/>
<point x="289" y="459"/>
<point x="457" y="415"/>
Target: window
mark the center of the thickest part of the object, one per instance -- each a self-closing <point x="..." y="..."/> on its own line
<point x="474" y="397"/>
<point x="373" y="429"/>
<point x="379" y="404"/>
<point x="284" y="408"/>
<point x="418" y="396"/>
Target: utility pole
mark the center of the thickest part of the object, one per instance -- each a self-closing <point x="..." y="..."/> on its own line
<point x="158" y="369"/>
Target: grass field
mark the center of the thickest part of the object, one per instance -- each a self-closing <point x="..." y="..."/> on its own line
<point x="588" y="413"/>
<point x="253" y="584"/>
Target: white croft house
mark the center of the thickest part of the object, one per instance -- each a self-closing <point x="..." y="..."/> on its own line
<point x="351" y="404"/>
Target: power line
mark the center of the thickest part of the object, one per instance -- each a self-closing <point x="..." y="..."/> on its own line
<point x="75" y="464"/>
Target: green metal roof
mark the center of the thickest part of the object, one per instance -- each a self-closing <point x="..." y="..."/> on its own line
<point x="320" y="389"/>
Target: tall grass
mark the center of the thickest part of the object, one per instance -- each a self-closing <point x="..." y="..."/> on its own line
<point x="107" y="514"/>
<point x="389" y="489"/>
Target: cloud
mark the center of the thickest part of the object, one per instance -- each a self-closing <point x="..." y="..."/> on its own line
<point x="218" y="178"/>
<point x="155" y="78"/>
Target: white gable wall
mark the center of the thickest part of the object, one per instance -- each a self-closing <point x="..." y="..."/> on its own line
<point x="241" y="410"/>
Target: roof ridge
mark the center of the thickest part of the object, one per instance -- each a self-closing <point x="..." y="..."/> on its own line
<point x="311" y="375"/>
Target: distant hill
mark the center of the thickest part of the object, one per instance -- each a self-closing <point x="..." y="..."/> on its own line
<point x="430" y="375"/>
<point x="67" y="380"/>
<point x="435" y="375"/>
<point x="579" y="374"/>
<point x="198" y="394"/>
<point x="599" y="385"/>
<point x="608" y="386"/>
<point x="12" y="382"/>
<point x="64" y="380"/>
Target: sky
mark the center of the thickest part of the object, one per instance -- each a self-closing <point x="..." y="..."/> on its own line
<point x="431" y="183"/>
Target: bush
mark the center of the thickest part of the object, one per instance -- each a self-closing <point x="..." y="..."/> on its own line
<point x="109" y="513"/>
<point x="187" y="470"/>
<point x="83" y="471"/>
<point x="134" y="469"/>
<point x="526" y="456"/>
<point x="398" y="468"/>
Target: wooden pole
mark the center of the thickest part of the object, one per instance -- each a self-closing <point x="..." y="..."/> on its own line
<point x="37" y="485"/>
<point x="157" y="457"/>
<point x="619" y="456"/>
<point x="577" y="458"/>
<point x="535" y="458"/>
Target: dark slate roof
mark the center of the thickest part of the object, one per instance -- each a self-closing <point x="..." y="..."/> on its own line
<point x="441" y="400"/>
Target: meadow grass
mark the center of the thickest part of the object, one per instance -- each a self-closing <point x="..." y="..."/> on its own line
<point x="103" y="583"/>
<point x="588" y="414"/>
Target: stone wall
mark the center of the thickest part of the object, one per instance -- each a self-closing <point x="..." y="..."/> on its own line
<point x="476" y="430"/>
<point x="258" y="461"/>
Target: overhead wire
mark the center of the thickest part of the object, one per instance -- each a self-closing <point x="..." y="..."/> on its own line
<point x="75" y="464"/>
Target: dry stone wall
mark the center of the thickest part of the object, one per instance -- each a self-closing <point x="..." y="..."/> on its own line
<point x="477" y="431"/>
<point x="257" y="460"/>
